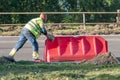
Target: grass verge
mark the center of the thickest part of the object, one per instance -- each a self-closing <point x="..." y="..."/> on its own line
<point x="58" y="71"/>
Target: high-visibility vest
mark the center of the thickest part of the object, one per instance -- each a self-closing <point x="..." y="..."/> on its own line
<point x="34" y="26"/>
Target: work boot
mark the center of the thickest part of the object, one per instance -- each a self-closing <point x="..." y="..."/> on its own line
<point x="37" y="60"/>
<point x="36" y="57"/>
<point x="12" y="52"/>
<point x="9" y="58"/>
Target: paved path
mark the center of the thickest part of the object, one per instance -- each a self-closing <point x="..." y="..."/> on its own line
<point x="7" y="43"/>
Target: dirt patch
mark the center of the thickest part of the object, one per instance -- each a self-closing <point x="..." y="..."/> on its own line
<point x="3" y="60"/>
<point x="107" y="58"/>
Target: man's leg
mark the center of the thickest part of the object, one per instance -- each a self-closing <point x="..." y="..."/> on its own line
<point x="31" y="38"/>
<point x="18" y="45"/>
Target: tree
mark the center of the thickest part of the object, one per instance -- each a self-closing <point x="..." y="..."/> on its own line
<point x="58" y="6"/>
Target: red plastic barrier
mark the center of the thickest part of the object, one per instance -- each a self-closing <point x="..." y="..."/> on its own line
<point x="70" y="48"/>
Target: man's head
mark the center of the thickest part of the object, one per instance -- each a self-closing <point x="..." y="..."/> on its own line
<point x="43" y="16"/>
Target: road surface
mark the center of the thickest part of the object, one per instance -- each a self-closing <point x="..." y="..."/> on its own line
<point x="7" y="43"/>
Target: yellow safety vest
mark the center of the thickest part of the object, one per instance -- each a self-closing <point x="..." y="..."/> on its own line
<point x="34" y="26"/>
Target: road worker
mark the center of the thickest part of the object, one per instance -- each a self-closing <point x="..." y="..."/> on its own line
<point x="31" y="31"/>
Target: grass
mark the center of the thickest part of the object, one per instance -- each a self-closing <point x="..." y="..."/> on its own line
<point x="65" y="30"/>
<point x="58" y="71"/>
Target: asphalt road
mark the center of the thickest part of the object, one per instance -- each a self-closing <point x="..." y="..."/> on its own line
<point x="25" y="53"/>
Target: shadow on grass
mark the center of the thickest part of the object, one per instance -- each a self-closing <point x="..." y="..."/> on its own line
<point x="23" y="66"/>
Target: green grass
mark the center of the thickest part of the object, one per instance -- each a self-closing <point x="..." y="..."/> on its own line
<point x="65" y="30"/>
<point x="58" y="71"/>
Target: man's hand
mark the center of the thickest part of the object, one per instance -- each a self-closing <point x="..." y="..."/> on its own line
<point x="50" y="37"/>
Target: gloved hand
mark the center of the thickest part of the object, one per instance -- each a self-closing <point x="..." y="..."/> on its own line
<point x="50" y="37"/>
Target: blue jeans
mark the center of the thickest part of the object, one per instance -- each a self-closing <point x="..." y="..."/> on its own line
<point x="26" y="35"/>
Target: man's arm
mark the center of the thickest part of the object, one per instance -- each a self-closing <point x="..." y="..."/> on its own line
<point x="44" y="31"/>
